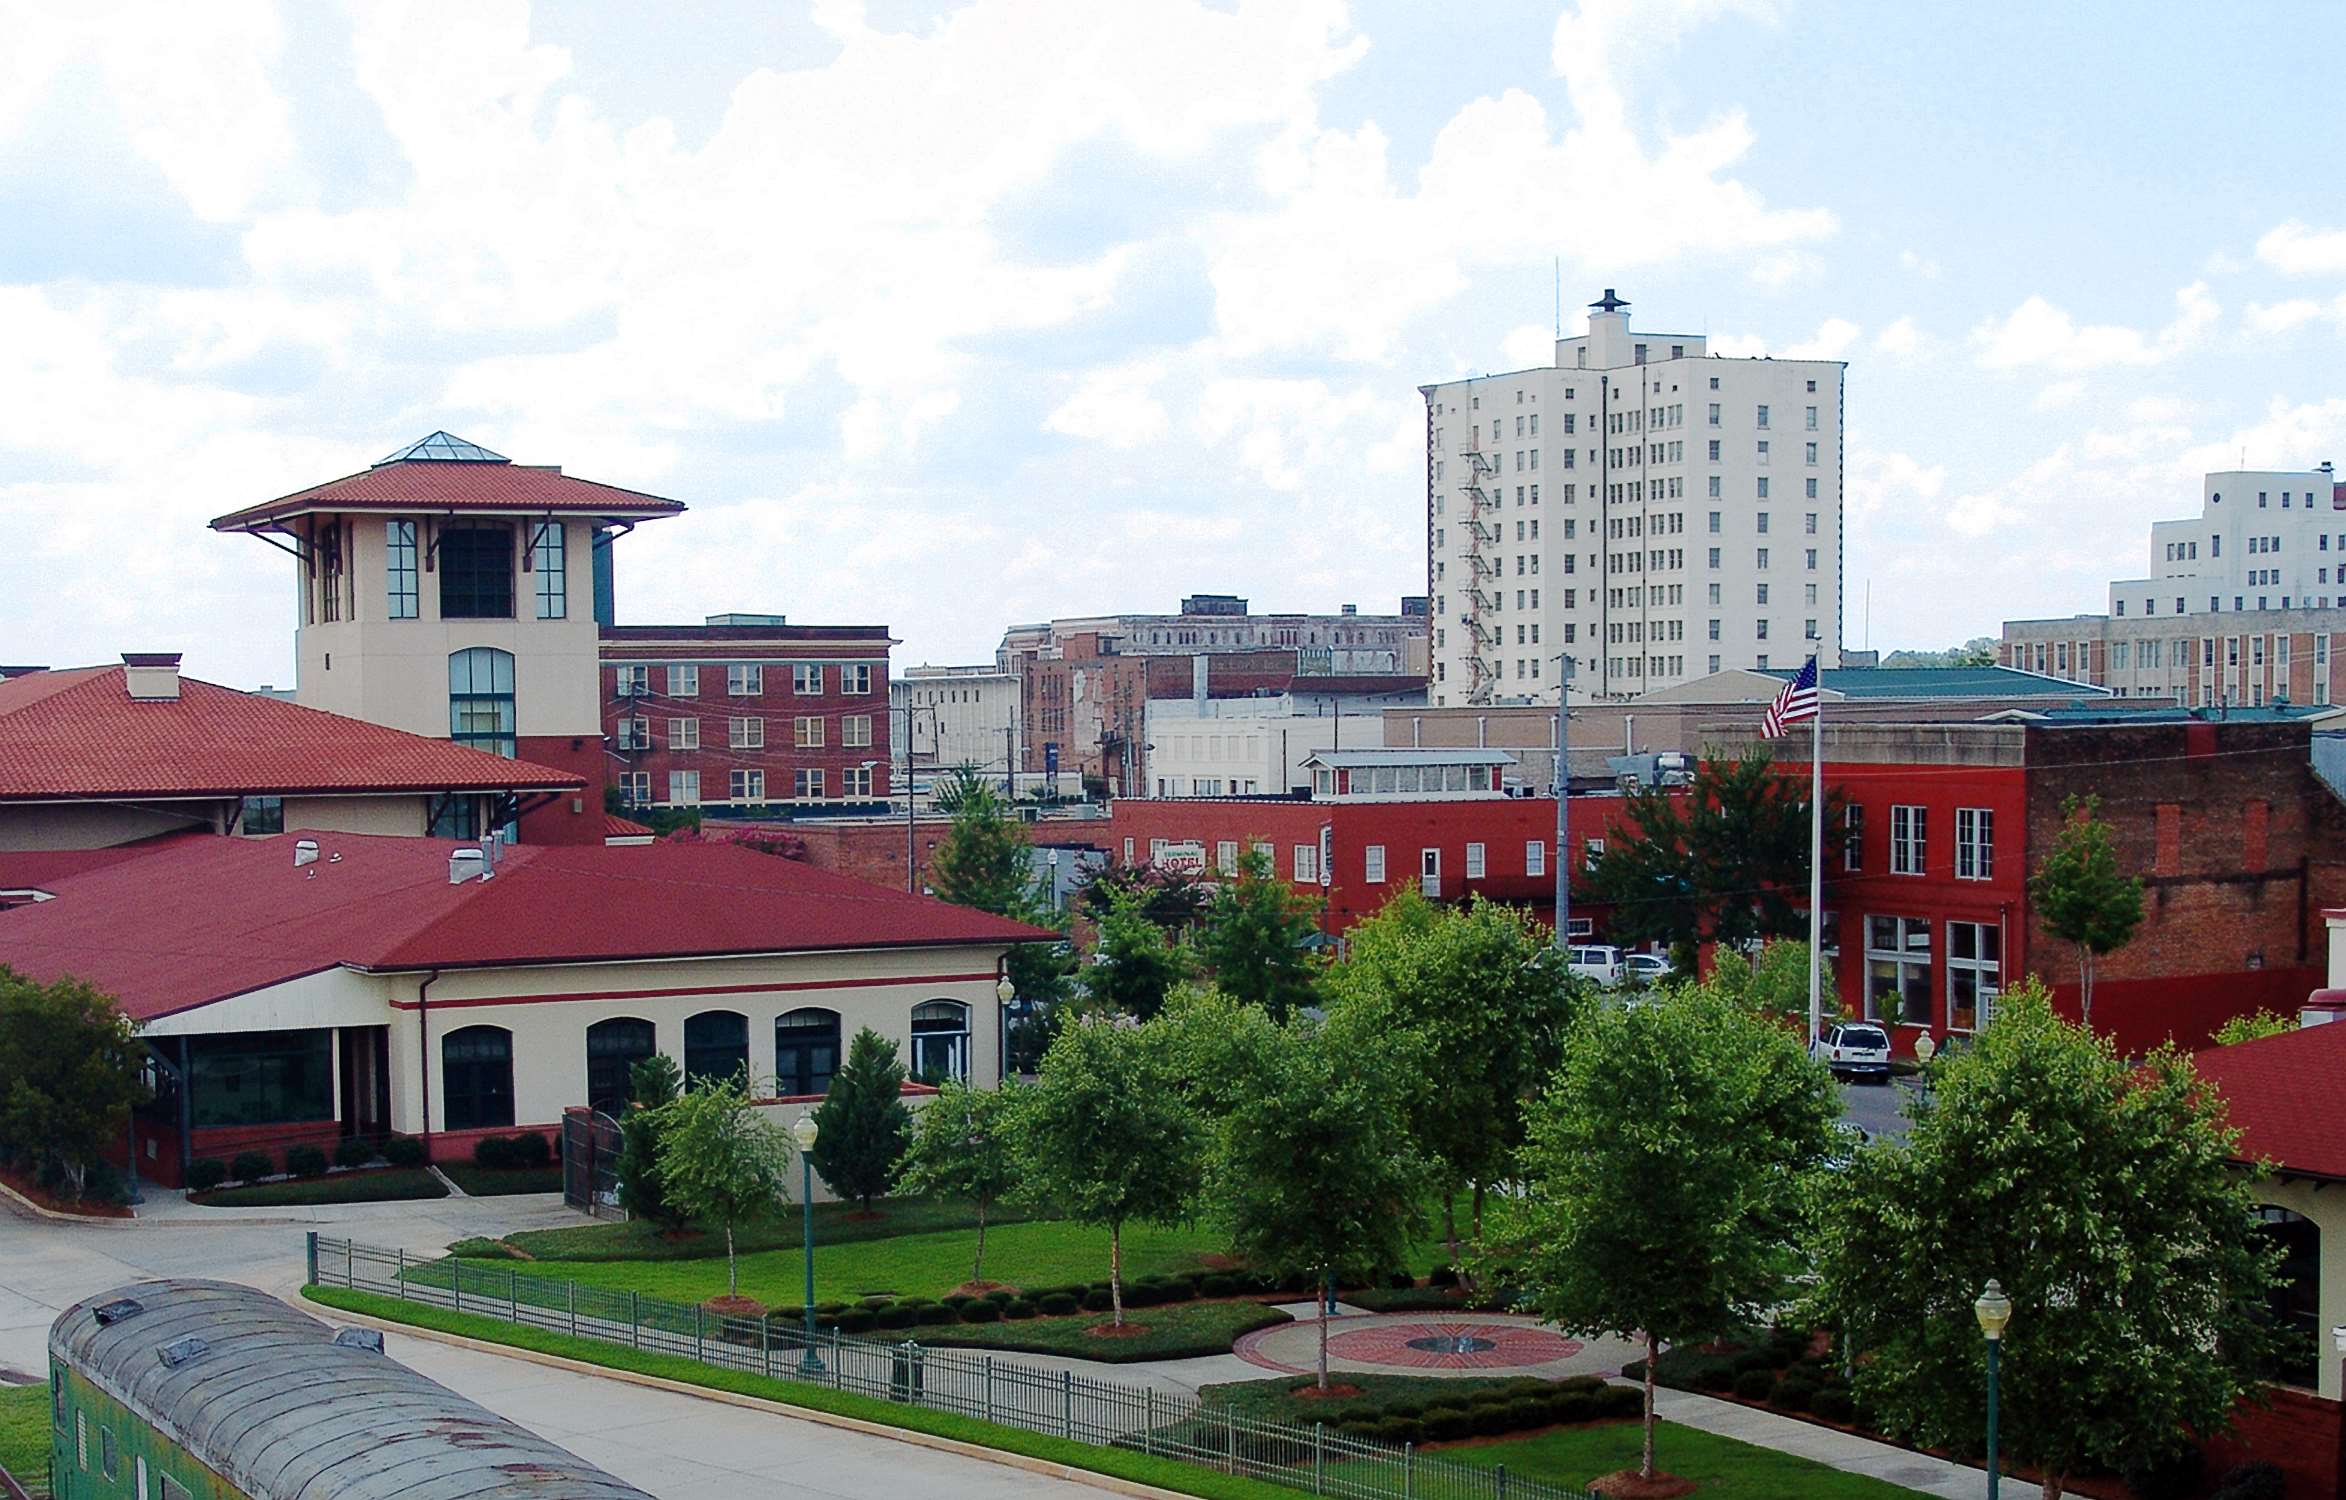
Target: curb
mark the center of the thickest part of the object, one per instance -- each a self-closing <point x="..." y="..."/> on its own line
<point x="27" y="1205"/>
<point x="1039" y="1466"/>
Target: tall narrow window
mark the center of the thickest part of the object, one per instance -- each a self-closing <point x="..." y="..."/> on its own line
<point x="399" y="574"/>
<point x="940" y="1040"/>
<point x="1975" y="971"/>
<point x="476" y="1078"/>
<point x="480" y="700"/>
<point x="1909" y="846"/>
<point x="328" y="549"/>
<point x="1975" y="843"/>
<point x="476" y="573"/>
<point x="806" y="1052"/>
<point x="553" y="572"/>
<point x="613" y="1049"/>
<point x="716" y="1044"/>
<point x="1853" y="838"/>
<point x="1898" y="970"/>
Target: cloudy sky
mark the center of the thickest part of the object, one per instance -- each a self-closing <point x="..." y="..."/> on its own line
<point x="949" y="317"/>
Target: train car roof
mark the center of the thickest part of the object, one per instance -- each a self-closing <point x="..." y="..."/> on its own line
<point x="269" y="1399"/>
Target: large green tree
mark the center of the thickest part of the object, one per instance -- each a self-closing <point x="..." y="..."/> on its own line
<point x="2081" y="895"/>
<point x="1478" y="1005"/>
<point x="1253" y="939"/>
<point x="1217" y="1047"/>
<point x="1135" y="965"/>
<point x="1105" y="1138"/>
<point x="2103" y="1195"/>
<point x="723" y="1162"/>
<point x="651" y="1083"/>
<point x="983" y="860"/>
<point x="862" y="1125"/>
<point x="1662" y="1181"/>
<point x="962" y="1147"/>
<point x="1775" y="983"/>
<point x="70" y="1065"/>
<point x="1723" y="859"/>
<point x="1313" y="1167"/>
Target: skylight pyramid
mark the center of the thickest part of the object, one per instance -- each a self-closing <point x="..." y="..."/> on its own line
<point x="445" y="447"/>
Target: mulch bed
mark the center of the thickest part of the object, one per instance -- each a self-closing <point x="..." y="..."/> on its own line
<point x="736" y="1307"/>
<point x="1334" y="1392"/>
<point x="1111" y="1331"/>
<point x="25" y="1187"/>
<point x="1627" y="1485"/>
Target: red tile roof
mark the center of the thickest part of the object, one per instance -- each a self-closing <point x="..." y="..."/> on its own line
<point x="2283" y="1095"/>
<point x="79" y="734"/>
<point x="203" y="918"/>
<point x="428" y="485"/>
<point x="617" y="827"/>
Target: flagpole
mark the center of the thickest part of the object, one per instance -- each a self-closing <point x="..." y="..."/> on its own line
<point x="1816" y="864"/>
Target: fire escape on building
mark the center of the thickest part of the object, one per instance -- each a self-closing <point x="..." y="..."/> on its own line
<point x="1482" y="566"/>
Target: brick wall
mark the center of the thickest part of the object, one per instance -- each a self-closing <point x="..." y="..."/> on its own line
<point x="2297" y="1431"/>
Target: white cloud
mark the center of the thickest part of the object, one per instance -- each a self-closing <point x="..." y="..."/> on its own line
<point x="2280" y="317"/>
<point x="1901" y="340"/>
<point x="1833" y="338"/>
<point x="1920" y="264"/>
<point x="2060" y="394"/>
<point x="2296" y="249"/>
<point x="2039" y="334"/>
<point x="1529" y="345"/>
<point x="1116" y="406"/>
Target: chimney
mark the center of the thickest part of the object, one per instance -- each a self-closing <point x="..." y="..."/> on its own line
<point x="151" y="676"/>
<point x="1352" y="609"/>
<point x="305" y="853"/>
<point x="464" y="865"/>
<point x="489" y="842"/>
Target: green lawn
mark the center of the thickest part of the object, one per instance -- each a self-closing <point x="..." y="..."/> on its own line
<point x="483" y="1182"/>
<point x="1029" y="1255"/>
<point x="386" y="1185"/>
<point x="835" y="1224"/>
<point x="1380" y="1395"/>
<point x="1178" y="1330"/>
<point x="24" y="1432"/>
<point x="1724" y="1468"/>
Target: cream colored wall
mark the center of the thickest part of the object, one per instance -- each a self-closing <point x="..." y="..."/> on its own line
<point x="96" y="825"/>
<point x="409" y="816"/>
<point x="332" y="997"/>
<point x="395" y="672"/>
<point x="2326" y="1207"/>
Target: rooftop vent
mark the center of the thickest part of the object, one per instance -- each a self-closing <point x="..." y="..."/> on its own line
<point x="151" y="676"/>
<point x="369" y="1339"/>
<point x="464" y="865"/>
<point x="305" y="853"/>
<point x="110" y="1313"/>
<point x="179" y="1351"/>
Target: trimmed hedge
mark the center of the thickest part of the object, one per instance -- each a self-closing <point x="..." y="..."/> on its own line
<point x="305" y="1161"/>
<point x="353" y="1151"/>
<point x="1059" y="1304"/>
<point x="404" y="1151"/>
<point x="251" y="1166"/>
<point x="1755" y="1385"/>
<point x="206" y="1173"/>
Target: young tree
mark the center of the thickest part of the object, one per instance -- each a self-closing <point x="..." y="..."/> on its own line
<point x="2102" y="1194"/>
<point x="1775" y="983"/>
<point x="862" y="1124"/>
<point x="723" y="1162"/>
<point x="983" y="859"/>
<point x="1135" y="966"/>
<point x="1216" y="1048"/>
<point x="651" y="1084"/>
<point x="1723" y="859"/>
<point x="70" y="1065"/>
<point x="2080" y="895"/>
<point x="2254" y="1027"/>
<point x="1663" y="1174"/>
<point x="1253" y="938"/>
<point x="1106" y="1138"/>
<point x="961" y="1148"/>
<point x="1478" y="1003"/>
<point x="1313" y="1169"/>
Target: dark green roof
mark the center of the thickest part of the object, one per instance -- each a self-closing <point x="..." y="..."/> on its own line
<point x="1943" y="682"/>
<point x="2116" y="712"/>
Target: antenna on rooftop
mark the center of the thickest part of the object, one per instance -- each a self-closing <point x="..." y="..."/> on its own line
<point x="1559" y="296"/>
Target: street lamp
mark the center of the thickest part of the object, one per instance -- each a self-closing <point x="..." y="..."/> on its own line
<point x="1563" y="781"/>
<point x="1994" y="1310"/>
<point x="1004" y="993"/>
<point x="803" y="1130"/>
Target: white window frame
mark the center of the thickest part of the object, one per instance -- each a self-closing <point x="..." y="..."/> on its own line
<point x="806" y="731"/>
<point x="631" y="681"/>
<point x="684" y="680"/>
<point x="1474" y="861"/>
<point x="1373" y="864"/>
<point x="857" y="781"/>
<point x="807" y="783"/>
<point x="1975" y="843"/>
<point x="1988" y="975"/>
<point x="745" y="785"/>
<point x="855" y="678"/>
<point x="1226" y="857"/>
<point x="745" y="680"/>
<point x="1909" y="838"/>
<point x="684" y="788"/>
<point x="806" y="679"/>
<point x="1306" y="864"/>
<point x="745" y="733"/>
<point x="635" y="787"/>
<point x="1903" y="956"/>
<point x="684" y="734"/>
<point x="855" y="731"/>
<point x="1535" y="857"/>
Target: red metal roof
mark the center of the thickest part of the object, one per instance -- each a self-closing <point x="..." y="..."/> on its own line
<point x="2282" y="1093"/>
<point x="425" y="485"/>
<point x="77" y="734"/>
<point x="204" y="918"/>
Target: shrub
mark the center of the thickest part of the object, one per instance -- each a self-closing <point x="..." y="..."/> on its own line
<point x="1398" y="1429"/>
<point x="1620" y="1401"/>
<point x="1058" y="1304"/>
<point x="1833" y="1404"/>
<point x="1180" y="1289"/>
<point x="1000" y="1296"/>
<point x="493" y="1153"/>
<point x="1749" y="1360"/>
<point x="1215" y="1284"/>
<point x="1634" y="1370"/>
<point x="353" y="1151"/>
<point x="1795" y="1394"/>
<point x="532" y="1149"/>
<point x="101" y="1182"/>
<point x="250" y="1165"/>
<point x="2175" y="1477"/>
<point x="1785" y="1345"/>
<point x="1526" y="1412"/>
<point x="930" y="1314"/>
<point x="901" y="1315"/>
<point x="404" y="1151"/>
<point x="957" y="1300"/>
<point x="1018" y="1309"/>
<point x="1755" y="1385"/>
<point x="982" y="1311"/>
<point x="1100" y="1300"/>
<point x="206" y="1173"/>
<point x="857" y="1320"/>
<point x="1718" y="1379"/>
<point x="2252" y="1481"/>
<point x="1443" y="1424"/>
<point x="1442" y="1276"/>
<point x="1573" y="1406"/>
<point x="1299" y="1281"/>
<point x="305" y="1161"/>
<point x="1401" y="1281"/>
<point x="874" y="1304"/>
<point x="829" y="1309"/>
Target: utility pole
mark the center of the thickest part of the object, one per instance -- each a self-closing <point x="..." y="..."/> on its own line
<point x="911" y="858"/>
<point x="1563" y="779"/>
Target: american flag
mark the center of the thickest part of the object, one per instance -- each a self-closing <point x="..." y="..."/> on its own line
<point x="1798" y="701"/>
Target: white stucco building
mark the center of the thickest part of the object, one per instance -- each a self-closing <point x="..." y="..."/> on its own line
<point x="1653" y="510"/>
<point x="959" y="716"/>
<point x="2264" y="539"/>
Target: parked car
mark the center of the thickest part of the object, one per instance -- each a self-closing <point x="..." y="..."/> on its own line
<point x="1854" y="1049"/>
<point x="1598" y="961"/>
<point x="1647" y="968"/>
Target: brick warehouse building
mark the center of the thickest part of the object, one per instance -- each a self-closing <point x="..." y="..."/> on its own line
<point x="747" y="714"/>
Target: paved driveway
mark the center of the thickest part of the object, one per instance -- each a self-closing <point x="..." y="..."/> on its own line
<point x="1878" y="1107"/>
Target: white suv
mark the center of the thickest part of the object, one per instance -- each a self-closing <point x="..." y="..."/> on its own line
<point x="1597" y="961"/>
<point x="1854" y="1049"/>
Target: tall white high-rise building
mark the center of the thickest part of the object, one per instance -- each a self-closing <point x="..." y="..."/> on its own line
<point x="1655" y="512"/>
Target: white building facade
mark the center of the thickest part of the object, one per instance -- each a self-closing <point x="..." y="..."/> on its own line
<point x="2264" y="539"/>
<point x="1229" y="751"/>
<point x="1651" y="510"/>
<point x="958" y="716"/>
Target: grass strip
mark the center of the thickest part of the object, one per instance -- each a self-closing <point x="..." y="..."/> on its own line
<point x="1178" y="1330"/>
<point x="388" y="1185"/>
<point x="24" y="1432"/>
<point x="488" y="1182"/>
<point x="1165" y="1473"/>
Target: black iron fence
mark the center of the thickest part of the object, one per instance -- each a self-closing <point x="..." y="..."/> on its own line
<point x="991" y="1387"/>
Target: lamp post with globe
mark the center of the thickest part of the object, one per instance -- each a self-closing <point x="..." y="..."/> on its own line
<point x="1994" y="1311"/>
<point x="804" y="1130"/>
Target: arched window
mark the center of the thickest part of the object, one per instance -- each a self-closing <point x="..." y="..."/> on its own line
<point x="480" y="700"/>
<point x="476" y="1078"/>
<point x="716" y="1045"/>
<point x="806" y="1051"/>
<point x="940" y="1040"/>
<point x="2295" y="1297"/>
<point x="613" y="1049"/>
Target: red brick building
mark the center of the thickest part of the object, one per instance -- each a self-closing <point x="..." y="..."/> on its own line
<point x="747" y="714"/>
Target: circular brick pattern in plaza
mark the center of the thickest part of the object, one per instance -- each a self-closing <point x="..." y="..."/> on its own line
<point x="1452" y="1346"/>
